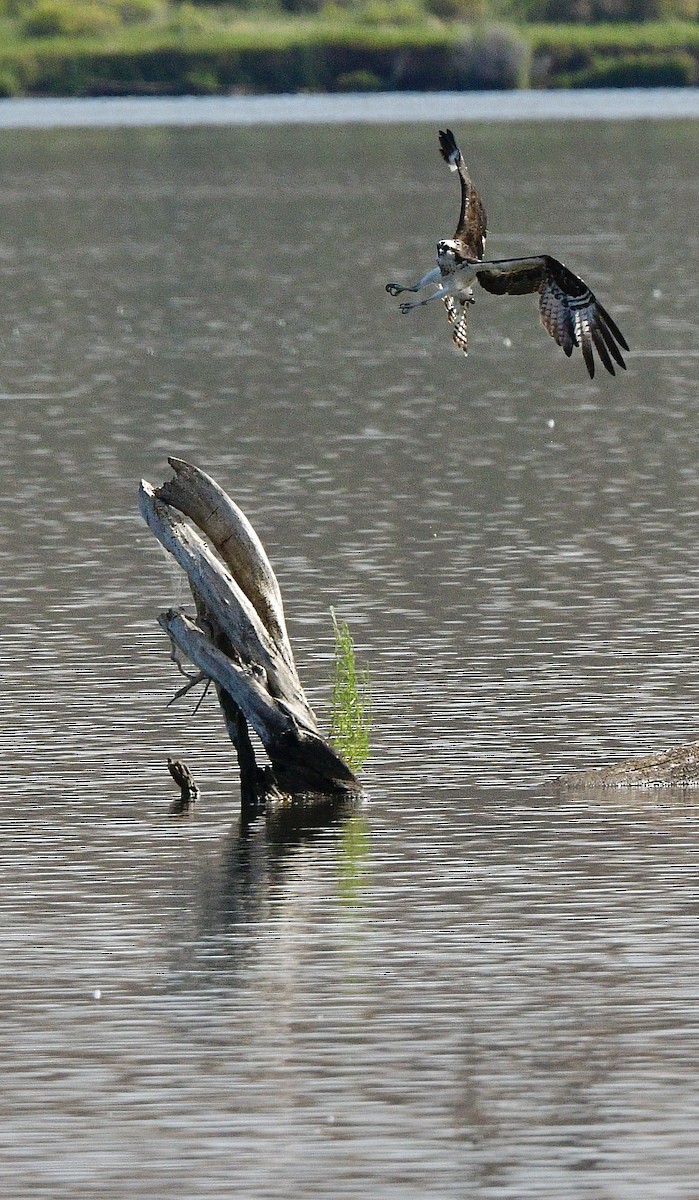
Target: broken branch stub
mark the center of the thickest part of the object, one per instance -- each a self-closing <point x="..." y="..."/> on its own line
<point x="239" y="637"/>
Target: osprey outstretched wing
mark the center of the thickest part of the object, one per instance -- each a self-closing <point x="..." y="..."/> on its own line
<point x="472" y="228"/>
<point x="569" y="310"/>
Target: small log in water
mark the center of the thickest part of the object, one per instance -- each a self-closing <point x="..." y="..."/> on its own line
<point x="238" y="638"/>
<point x="189" y="792"/>
<point x="677" y="767"/>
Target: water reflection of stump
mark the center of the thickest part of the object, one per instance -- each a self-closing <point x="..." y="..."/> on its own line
<point x="238" y="639"/>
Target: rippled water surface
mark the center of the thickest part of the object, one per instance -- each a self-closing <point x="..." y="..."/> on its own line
<point x="473" y="985"/>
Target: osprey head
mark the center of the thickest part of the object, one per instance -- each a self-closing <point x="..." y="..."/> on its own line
<point x="447" y="255"/>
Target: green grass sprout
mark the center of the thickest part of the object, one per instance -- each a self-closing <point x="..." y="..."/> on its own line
<point x="350" y="718"/>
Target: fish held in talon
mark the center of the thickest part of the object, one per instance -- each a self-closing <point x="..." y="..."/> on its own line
<point x="568" y="309"/>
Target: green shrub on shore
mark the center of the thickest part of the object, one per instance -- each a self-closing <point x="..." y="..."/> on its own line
<point x="9" y="84"/>
<point x="636" y="70"/>
<point x="61" y="18"/>
<point x="358" y="81"/>
<point x="458" y="10"/>
<point x="575" y="55"/>
<point x="77" y="19"/>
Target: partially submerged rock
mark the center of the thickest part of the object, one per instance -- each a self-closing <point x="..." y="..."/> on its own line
<point x="677" y="767"/>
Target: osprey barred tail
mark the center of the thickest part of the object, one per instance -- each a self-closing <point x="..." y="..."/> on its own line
<point x="569" y="310"/>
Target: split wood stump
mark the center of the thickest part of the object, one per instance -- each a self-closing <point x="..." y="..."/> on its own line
<point x="238" y="639"/>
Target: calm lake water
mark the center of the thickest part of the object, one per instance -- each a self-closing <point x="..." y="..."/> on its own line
<point x="473" y="985"/>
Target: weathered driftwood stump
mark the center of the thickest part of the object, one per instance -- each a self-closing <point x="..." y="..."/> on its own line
<point x="677" y="767"/>
<point x="238" y="639"/>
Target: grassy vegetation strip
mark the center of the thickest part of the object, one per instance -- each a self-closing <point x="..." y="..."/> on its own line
<point x="302" y="54"/>
<point x="656" y="36"/>
<point x="283" y="61"/>
<point x="245" y="35"/>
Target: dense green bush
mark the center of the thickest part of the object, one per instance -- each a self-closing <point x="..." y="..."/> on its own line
<point x="187" y="19"/>
<point x="141" y="12"/>
<point x="576" y="55"/>
<point x="358" y="81"/>
<point x="458" y="10"/>
<point x="636" y="70"/>
<point x="9" y="83"/>
<point x="63" y="18"/>
<point x="393" y="12"/>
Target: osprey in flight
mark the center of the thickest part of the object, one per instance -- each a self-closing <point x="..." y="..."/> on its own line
<point x="569" y="310"/>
